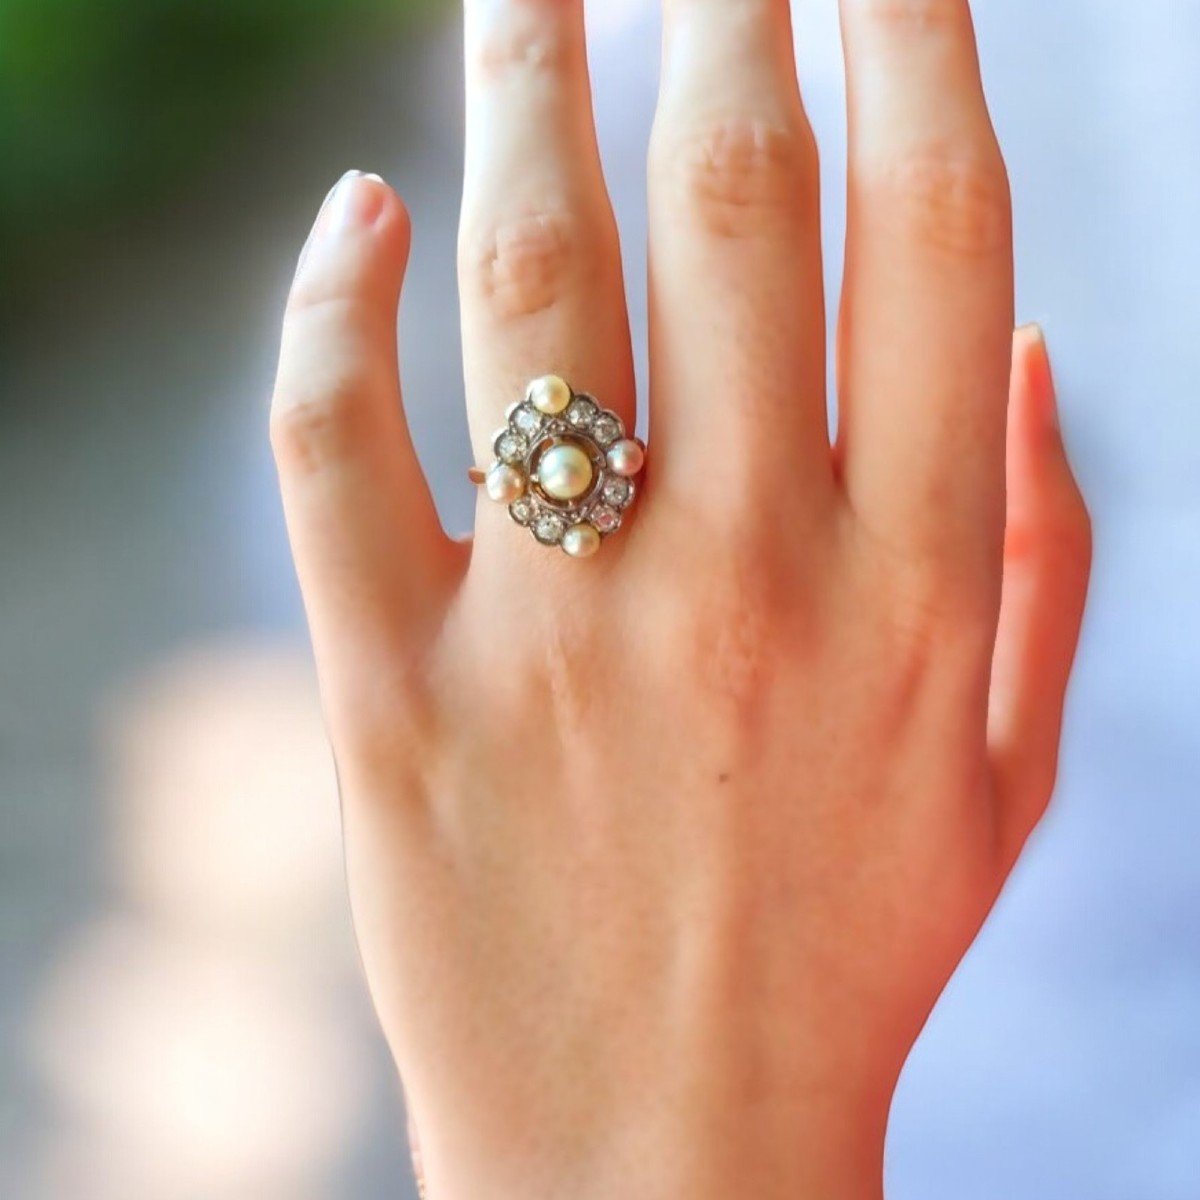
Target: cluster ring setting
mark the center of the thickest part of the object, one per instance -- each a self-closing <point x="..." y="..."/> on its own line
<point x="564" y="467"/>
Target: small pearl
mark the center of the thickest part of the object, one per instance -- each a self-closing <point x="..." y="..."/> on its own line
<point x="505" y="483"/>
<point x="626" y="457"/>
<point x="581" y="541"/>
<point x="549" y="394"/>
<point x="565" y="472"/>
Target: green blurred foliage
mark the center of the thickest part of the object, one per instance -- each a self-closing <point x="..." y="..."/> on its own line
<point x="97" y="98"/>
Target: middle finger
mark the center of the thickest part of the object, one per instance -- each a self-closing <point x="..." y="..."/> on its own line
<point x="736" y="299"/>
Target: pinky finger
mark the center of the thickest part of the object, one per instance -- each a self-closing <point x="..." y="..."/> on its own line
<point x="1047" y="563"/>
<point x="369" y="550"/>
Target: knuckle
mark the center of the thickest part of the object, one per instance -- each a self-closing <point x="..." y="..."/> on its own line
<point x="931" y="594"/>
<point x="918" y="16"/>
<point x="953" y="203"/>
<point x="1062" y="539"/>
<point x="1065" y="541"/>
<point x="324" y="308"/>
<point x="927" y="643"/>
<point x="522" y="39"/>
<point x="938" y="605"/>
<point x="738" y="177"/>
<point x="524" y="265"/>
<point x="726" y="632"/>
<point x="326" y="422"/>
<point x="1077" y="547"/>
<point x="1072" y="533"/>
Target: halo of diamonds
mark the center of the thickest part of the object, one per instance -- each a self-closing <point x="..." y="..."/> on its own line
<point x="583" y="423"/>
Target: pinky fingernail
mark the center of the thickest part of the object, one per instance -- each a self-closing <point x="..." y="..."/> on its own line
<point x="354" y="204"/>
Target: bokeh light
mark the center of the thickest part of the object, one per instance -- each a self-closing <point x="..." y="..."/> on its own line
<point x="226" y="798"/>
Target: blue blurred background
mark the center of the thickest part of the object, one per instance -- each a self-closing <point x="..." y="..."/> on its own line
<point x="181" y="1011"/>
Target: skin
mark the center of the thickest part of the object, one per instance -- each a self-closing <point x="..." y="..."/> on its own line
<point x="659" y="861"/>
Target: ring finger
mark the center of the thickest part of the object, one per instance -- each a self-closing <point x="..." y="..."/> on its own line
<point x="539" y="261"/>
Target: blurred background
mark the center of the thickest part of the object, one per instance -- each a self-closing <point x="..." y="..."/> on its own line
<point x="181" y="1010"/>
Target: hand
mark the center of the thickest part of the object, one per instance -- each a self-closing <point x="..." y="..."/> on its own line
<point x="659" y="861"/>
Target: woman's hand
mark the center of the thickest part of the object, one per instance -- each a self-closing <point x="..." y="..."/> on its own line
<point x="660" y="860"/>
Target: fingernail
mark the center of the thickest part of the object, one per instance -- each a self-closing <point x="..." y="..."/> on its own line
<point x="329" y="195"/>
<point x="1041" y="374"/>
<point x="351" y="204"/>
<point x="319" y="220"/>
<point x="345" y="205"/>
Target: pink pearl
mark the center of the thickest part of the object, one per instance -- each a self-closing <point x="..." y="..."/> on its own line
<point x="627" y="457"/>
<point x="505" y="483"/>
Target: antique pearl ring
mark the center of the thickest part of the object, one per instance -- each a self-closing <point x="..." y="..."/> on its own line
<point x="564" y="467"/>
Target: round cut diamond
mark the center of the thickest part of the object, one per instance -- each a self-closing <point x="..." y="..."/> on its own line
<point x="606" y="429"/>
<point x="605" y="518"/>
<point x="616" y="490"/>
<point x="523" y="510"/>
<point x="581" y="413"/>
<point x="549" y="528"/>
<point x="511" y="447"/>
<point x="527" y="420"/>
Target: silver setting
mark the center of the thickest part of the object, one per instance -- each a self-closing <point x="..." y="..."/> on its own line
<point x="528" y="433"/>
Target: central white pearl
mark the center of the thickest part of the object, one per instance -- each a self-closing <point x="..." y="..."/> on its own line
<point x="565" y="472"/>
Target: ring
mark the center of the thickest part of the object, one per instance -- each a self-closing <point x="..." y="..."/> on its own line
<point x="564" y="466"/>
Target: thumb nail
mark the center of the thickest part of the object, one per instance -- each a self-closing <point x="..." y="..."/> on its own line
<point x="1040" y="374"/>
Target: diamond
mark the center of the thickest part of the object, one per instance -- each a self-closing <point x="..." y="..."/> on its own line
<point x="616" y="490"/>
<point x="549" y="528"/>
<point x="605" y="518"/>
<point x="606" y="429"/>
<point x="527" y="420"/>
<point x="581" y="413"/>
<point x="523" y="510"/>
<point x="511" y="447"/>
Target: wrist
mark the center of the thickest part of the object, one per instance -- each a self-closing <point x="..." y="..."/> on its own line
<point x="818" y="1149"/>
